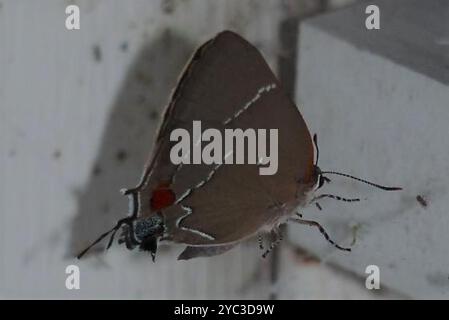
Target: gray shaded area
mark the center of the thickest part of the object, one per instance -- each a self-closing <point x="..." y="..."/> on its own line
<point x="413" y="33"/>
<point x="128" y="137"/>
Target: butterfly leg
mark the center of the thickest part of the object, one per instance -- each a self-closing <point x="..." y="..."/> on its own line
<point x="278" y="238"/>
<point x="315" y="199"/>
<point x="125" y="221"/>
<point x="321" y="229"/>
<point x="331" y="196"/>
<point x="126" y="238"/>
<point x="260" y="241"/>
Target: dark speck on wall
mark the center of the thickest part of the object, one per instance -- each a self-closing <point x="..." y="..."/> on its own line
<point x="57" y="154"/>
<point x="168" y="6"/>
<point x="96" y="50"/>
<point x="96" y="170"/>
<point x="124" y="46"/>
<point x="421" y="200"/>
<point x="154" y="115"/>
<point x="437" y="279"/>
<point x="121" y="155"/>
<point x="144" y="78"/>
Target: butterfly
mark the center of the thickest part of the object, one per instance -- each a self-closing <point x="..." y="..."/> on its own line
<point x="212" y="207"/>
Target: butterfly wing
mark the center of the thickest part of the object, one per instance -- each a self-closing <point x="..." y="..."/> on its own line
<point x="236" y="89"/>
<point x="203" y="251"/>
<point x="223" y="75"/>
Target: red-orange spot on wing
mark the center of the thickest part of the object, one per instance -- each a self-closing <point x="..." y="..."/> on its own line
<point x="162" y="197"/>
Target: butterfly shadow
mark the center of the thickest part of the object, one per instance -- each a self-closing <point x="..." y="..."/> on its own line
<point x="127" y="138"/>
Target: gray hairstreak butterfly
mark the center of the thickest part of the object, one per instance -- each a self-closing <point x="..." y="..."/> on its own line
<point x="212" y="207"/>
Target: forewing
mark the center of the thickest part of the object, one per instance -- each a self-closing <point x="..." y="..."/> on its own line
<point x="231" y="82"/>
<point x="203" y="251"/>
